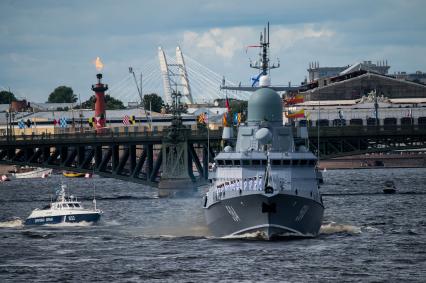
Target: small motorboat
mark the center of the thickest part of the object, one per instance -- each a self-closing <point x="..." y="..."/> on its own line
<point x="70" y="174"/>
<point x="30" y="172"/>
<point x="64" y="210"/>
<point x="389" y="187"/>
<point x="4" y="178"/>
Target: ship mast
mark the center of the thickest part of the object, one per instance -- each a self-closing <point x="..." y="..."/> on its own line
<point x="263" y="65"/>
<point x="263" y="55"/>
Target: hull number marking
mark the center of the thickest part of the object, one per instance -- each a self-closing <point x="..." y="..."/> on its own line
<point x="232" y="212"/>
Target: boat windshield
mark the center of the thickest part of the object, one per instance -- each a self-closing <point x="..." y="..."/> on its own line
<point x="46" y="206"/>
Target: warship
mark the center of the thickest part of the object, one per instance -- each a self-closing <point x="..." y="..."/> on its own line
<point x="264" y="183"/>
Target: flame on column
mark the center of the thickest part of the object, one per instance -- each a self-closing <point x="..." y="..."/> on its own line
<point x="98" y="64"/>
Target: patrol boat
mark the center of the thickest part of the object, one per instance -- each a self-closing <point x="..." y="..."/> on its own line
<point x="64" y="210"/>
<point x="264" y="184"/>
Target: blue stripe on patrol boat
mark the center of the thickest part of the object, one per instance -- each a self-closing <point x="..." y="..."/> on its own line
<point x="76" y="218"/>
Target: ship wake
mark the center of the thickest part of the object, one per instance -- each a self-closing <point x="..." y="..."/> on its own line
<point x="13" y="223"/>
<point x="335" y="228"/>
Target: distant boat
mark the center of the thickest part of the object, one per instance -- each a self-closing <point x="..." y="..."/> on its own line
<point x="73" y="174"/>
<point x="389" y="187"/>
<point x="4" y="178"/>
<point x="64" y="210"/>
<point x="31" y="172"/>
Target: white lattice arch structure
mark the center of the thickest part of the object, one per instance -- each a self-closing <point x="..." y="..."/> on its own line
<point x="164" y="68"/>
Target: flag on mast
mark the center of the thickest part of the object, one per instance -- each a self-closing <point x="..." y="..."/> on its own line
<point x="294" y="100"/>
<point x="297" y="114"/>
<point x="227" y="103"/>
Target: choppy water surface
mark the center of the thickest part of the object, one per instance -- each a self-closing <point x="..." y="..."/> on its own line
<point x="366" y="236"/>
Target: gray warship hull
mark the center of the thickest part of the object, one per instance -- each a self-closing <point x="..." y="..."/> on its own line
<point x="268" y="217"/>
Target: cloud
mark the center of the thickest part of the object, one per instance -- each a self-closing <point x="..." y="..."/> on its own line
<point x="225" y="42"/>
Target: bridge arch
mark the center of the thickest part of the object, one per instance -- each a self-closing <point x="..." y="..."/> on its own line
<point x="356" y="122"/>
<point x="323" y="123"/>
<point x="371" y="121"/>
<point x="422" y="122"/>
<point x="407" y="121"/>
<point x="339" y="122"/>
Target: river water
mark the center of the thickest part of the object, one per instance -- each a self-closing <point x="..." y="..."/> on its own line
<point x="366" y="236"/>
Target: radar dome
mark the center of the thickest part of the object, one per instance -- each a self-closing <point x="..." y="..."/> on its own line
<point x="265" y="105"/>
<point x="228" y="148"/>
<point x="264" y="81"/>
<point x="263" y="135"/>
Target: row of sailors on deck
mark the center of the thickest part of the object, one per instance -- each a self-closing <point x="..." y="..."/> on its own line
<point x="248" y="184"/>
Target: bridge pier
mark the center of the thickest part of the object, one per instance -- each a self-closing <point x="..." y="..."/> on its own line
<point x="150" y="159"/>
<point x="176" y="163"/>
<point x="132" y="154"/>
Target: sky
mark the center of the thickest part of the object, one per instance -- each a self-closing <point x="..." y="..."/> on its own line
<point x="45" y="44"/>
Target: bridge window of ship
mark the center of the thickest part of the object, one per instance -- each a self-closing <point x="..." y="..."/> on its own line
<point x="312" y="162"/>
<point x="77" y="205"/>
<point x="237" y="162"/>
<point x="228" y="162"/>
<point x="220" y="162"/>
<point x="276" y="162"/>
<point x="286" y="162"/>
<point x="255" y="162"/>
<point x="246" y="162"/>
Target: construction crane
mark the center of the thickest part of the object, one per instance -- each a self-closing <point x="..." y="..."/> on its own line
<point x="141" y="97"/>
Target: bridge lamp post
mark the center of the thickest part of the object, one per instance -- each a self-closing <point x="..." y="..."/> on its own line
<point x="7" y="125"/>
<point x="376" y="108"/>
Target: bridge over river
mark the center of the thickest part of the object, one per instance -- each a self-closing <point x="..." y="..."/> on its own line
<point x="138" y="157"/>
